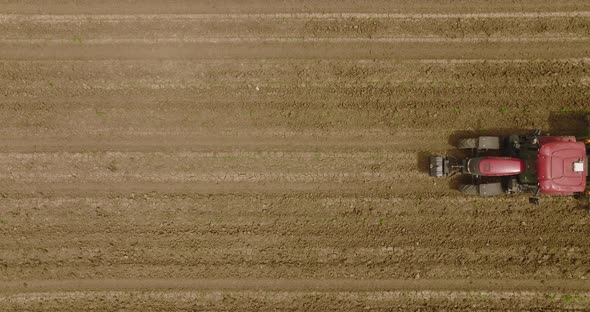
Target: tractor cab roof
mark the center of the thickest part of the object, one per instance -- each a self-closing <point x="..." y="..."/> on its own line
<point x="562" y="167"/>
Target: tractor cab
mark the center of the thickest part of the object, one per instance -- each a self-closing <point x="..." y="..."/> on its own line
<point x="562" y="166"/>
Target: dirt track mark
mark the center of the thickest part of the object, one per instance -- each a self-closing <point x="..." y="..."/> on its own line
<point x="307" y="300"/>
<point x="156" y="142"/>
<point x="295" y="50"/>
<point x="219" y="187"/>
<point x="53" y="18"/>
<point x="212" y="167"/>
<point x="494" y="287"/>
<point x="262" y="40"/>
<point x="289" y="6"/>
<point x="92" y="29"/>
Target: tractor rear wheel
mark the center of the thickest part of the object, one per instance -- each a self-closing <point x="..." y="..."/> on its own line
<point x="469" y="143"/>
<point x="469" y="189"/>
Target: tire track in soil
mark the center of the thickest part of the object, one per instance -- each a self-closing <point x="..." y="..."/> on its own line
<point x="301" y="285"/>
<point x="227" y="300"/>
<point x="306" y="50"/>
<point x="291" y="6"/>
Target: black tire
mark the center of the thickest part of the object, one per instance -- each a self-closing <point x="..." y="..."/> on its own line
<point x="469" y="143"/>
<point x="469" y="189"/>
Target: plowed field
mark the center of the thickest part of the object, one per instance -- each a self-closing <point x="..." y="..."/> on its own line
<point x="261" y="155"/>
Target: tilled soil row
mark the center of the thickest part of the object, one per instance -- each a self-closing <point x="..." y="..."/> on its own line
<point x="296" y="235"/>
<point x="266" y="97"/>
<point x="290" y="6"/>
<point x="187" y="27"/>
<point x="295" y="301"/>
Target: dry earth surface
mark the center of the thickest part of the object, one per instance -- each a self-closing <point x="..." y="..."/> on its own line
<point x="261" y="155"/>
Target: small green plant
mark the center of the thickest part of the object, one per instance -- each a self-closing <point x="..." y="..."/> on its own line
<point x="457" y="110"/>
<point x="317" y="156"/>
<point x="564" y="110"/>
<point x="482" y="296"/>
<point x="572" y="298"/>
<point x="503" y="109"/>
<point x="77" y="39"/>
<point x="100" y="114"/>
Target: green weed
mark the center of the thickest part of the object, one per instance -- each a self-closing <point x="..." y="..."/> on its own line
<point x="77" y="39"/>
<point x="101" y="114"/>
<point x="572" y="298"/>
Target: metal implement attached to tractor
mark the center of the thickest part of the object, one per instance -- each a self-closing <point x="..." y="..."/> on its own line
<point x="532" y="163"/>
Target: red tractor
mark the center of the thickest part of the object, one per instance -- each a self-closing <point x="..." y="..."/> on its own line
<point x="533" y="163"/>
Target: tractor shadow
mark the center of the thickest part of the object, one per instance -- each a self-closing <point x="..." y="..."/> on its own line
<point x="582" y="203"/>
<point x="568" y="123"/>
<point x="501" y="132"/>
<point x="459" y="179"/>
<point x="560" y="123"/>
<point x="423" y="161"/>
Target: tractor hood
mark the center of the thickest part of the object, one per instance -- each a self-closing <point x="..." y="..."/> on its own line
<point x="562" y="167"/>
<point x="500" y="166"/>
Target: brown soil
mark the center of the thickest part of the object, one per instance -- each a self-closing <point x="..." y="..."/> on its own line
<point x="247" y="155"/>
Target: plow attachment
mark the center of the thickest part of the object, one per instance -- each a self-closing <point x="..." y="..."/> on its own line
<point x="439" y="166"/>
